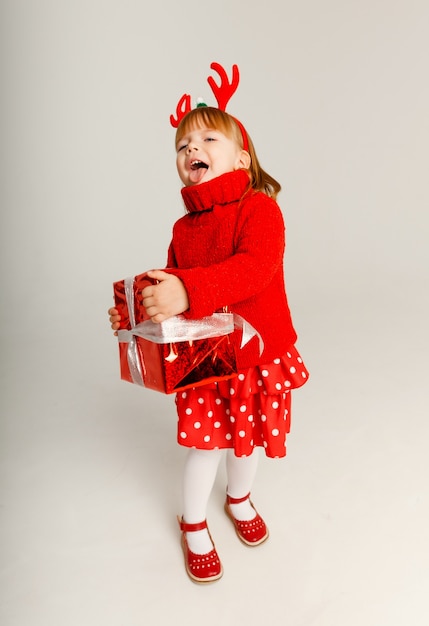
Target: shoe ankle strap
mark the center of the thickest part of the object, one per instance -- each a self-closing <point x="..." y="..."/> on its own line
<point x="232" y="500"/>
<point x="189" y="528"/>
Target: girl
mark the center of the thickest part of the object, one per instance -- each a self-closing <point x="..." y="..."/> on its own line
<point x="227" y="251"/>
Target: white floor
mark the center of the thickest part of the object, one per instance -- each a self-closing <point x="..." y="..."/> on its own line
<point x="91" y="484"/>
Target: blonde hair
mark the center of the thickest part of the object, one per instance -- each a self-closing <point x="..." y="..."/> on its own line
<point x="216" y="119"/>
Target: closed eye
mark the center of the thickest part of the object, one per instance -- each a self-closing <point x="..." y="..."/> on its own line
<point x="181" y="147"/>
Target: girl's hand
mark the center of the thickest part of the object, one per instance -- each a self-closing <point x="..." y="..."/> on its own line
<point x="114" y="318"/>
<point x="165" y="299"/>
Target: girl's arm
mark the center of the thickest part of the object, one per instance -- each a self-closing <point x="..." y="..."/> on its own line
<point x="257" y="259"/>
<point x="169" y="296"/>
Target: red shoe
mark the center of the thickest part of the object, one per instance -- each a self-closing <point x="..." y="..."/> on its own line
<point x="201" y="568"/>
<point x="252" y="532"/>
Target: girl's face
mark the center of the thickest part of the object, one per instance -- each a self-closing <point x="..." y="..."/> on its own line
<point x="204" y="154"/>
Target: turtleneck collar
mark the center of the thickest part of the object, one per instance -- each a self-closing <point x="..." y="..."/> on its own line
<point x="223" y="189"/>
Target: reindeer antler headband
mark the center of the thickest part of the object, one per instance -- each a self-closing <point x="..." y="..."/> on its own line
<point x="223" y="93"/>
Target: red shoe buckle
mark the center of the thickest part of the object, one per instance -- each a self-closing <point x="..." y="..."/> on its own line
<point x="252" y="532"/>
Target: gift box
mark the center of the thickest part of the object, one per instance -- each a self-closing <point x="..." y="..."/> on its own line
<point x="175" y="354"/>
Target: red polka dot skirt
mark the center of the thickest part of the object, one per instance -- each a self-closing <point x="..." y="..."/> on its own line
<point x="252" y="409"/>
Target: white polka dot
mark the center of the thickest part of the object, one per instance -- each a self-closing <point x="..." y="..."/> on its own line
<point x="227" y="411"/>
<point x="210" y="414"/>
<point x="183" y="435"/>
<point x="217" y="424"/>
<point x="260" y="383"/>
<point x="188" y="411"/>
<point x="292" y="370"/>
<point x="251" y="443"/>
<point x="299" y="359"/>
<point x="286" y="411"/>
<point x="278" y="386"/>
<point x="265" y="444"/>
<point x="276" y="361"/>
<point x="231" y="392"/>
<point x="184" y="394"/>
<point x="265" y="373"/>
<point x="250" y="418"/>
<point x="275" y="405"/>
<point x="207" y="438"/>
<point x="242" y="433"/>
<point x="243" y="408"/>
<point x="228" y="436"/>
<point x="232" y="419"/>
<point x="241" y="377"/>
<point x="303" y="374"/>
<point x="275" y="432"/>
<point x="289" y="354"/>
<point x="200" y="400"/>
<point x="287" y="383"/>
<point x="263" y="418"/>
<point x="197" y="425"/>
<point x="218" y="401"/>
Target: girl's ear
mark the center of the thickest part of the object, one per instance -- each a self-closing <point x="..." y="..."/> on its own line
<point x="244" y="160"/>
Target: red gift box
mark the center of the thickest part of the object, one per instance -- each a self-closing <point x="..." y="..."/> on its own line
<point x="170" y="356"/>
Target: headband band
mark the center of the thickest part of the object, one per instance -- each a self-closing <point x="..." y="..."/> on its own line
<point x="243" y="133"/>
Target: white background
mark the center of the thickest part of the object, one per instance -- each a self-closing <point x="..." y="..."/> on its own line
<point x="335" y="96"/>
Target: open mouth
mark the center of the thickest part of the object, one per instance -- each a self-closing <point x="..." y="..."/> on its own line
<point x="198" y="170"/>
<point x="198" y="165"/>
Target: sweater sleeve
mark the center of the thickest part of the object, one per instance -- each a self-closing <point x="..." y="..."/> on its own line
<point x="258" y="254"/>
<point x="171" y="259"/>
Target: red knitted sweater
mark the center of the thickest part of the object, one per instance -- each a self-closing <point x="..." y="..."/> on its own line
<point x="228" y="251"/>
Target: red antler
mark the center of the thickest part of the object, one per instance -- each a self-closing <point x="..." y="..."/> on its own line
<point x="226" y="90"/>
<point x="183" y="107"/>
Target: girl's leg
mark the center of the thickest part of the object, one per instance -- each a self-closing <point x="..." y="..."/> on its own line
<point x="198" y="478"/>
<point x="241" y="472"/>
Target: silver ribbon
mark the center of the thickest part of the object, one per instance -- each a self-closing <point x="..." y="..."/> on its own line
<point x="134" y="364"/>
<point x="176" y="329"/>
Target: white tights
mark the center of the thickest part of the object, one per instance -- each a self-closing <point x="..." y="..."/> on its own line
<point x="198" y="479"/>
